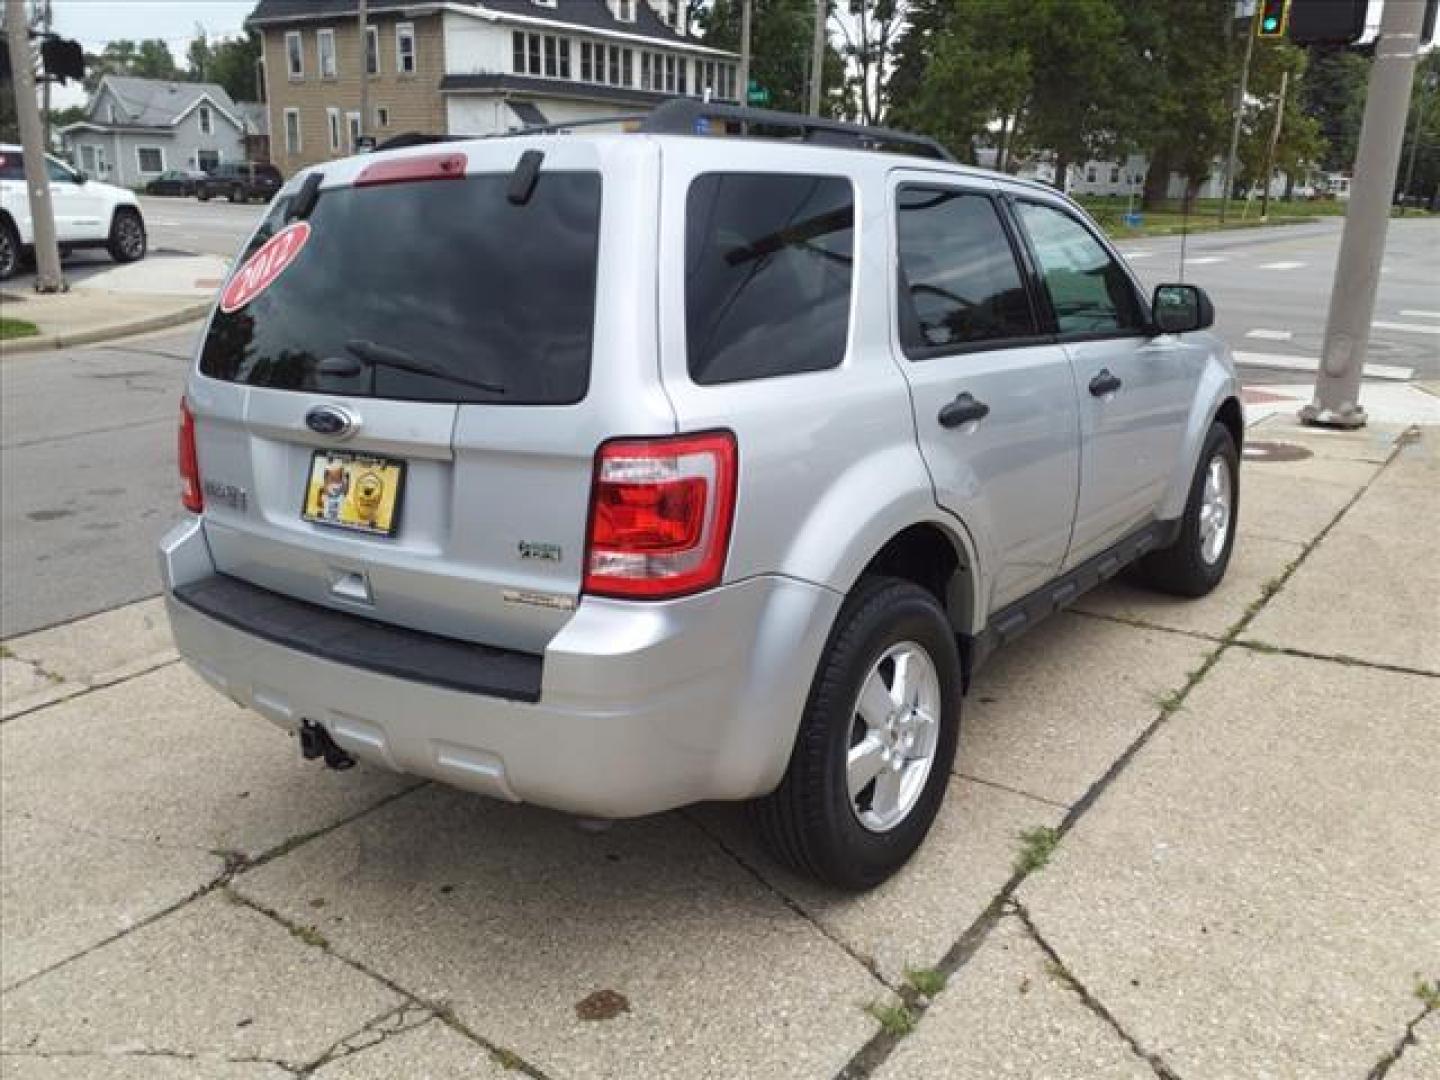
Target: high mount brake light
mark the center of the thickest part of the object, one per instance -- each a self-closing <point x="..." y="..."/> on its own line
<point x="409" y="169"/>
<point x="660" y="515"/>
<point x="192" y="496"/>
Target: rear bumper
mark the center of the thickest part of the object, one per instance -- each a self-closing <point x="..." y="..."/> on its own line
<point x="641" y="707"/>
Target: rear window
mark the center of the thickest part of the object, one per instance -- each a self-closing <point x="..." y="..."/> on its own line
<point x="768" y="261"/>
<point x="432" y="291"/>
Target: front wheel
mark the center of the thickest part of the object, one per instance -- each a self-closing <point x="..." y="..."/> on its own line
<point x="1196" y="562"/>
<point x="872" y="757"/>
<point x="127" y="236"/>
<point x="9" y="250"/>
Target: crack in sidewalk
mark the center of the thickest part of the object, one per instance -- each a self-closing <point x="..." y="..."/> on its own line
<point x="881" y="1045"/>
<point x="1407" y="1038"/>
<point x="86" y="689"/>
<point x="438" y="1010"/>
<point x="1088" y="999"/>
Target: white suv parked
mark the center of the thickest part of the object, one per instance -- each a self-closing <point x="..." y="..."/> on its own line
<point x="87" y="213"/>
<point x="621" y="471"/>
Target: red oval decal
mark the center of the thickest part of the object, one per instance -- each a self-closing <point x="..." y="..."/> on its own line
<point x="262" y="268"/>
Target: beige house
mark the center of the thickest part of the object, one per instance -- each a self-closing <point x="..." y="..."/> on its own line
<point x="470" y="67"/>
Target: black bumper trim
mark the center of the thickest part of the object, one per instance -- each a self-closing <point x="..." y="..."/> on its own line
<point x="364" y="643"/>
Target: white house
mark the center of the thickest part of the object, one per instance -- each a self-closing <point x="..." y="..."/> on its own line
<point x="135" y="129"/>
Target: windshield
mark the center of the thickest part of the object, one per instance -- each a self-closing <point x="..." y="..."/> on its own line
<point x="433" y="291"/>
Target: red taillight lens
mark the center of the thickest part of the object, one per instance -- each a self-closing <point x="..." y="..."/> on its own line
<point x="191" y="495"/>
<point x="407" y="170"/>
<point x="660" y="515"/>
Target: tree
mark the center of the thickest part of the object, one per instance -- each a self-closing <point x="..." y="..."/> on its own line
<point x="1424" y="110"/>
<point x="781" y="37"/>
<point x="149" y="59"/>
<point x="1301" y="144"/>
<point x="233" y="64"/>
<point x="1333" y="93"/>
<point x="870" y="36"/>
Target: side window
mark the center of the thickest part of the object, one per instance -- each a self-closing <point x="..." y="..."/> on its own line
<point x="12" y="165"/>
<point x="768" y="261"/>
<point x="60" y="174"/>
<point x="959" y="282"/>
<point x="1089" y="290"/>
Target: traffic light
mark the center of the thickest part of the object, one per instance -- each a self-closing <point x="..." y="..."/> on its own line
<point x="1273" y="14"/>
<point x="1327" y="22"/>
<point x="62" y="59"/>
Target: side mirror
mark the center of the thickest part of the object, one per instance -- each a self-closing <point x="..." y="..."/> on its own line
<point x="81" y="177"/>
<point x="1179" y="309"/>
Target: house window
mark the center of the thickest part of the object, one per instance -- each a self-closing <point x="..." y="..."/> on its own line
<point x="1090" y="174"/>
<point x="587" y="70"/>
<point x="207" y="122"/>
<point x="207" y="160"/>
<point x="517" y="52"/>
<point x="625" y="10"/>
<point x="382" y="117"/>
<point x="352" y="123"/>
<point x="669" y="74"/>
<point x="1114" y="174"/>
<point x="151" y="159"/>
<point x="552" y="58"/>
<point x="292" y="131"/>
<point x="295" y="54"/>
<point x="564" y="58"/>
<point x="644" y="71"/>
<point x="372" y="50"/>
<point x="325" y="52"/>
<point x="684" y="66"/>
<point x="627" y="68"/>
<point x="405" y="48"/>
<point x="614" y="66"/>
<point x="533" y="51"/>
<point x="87" y="160"/>
<point x="332" y="118"/>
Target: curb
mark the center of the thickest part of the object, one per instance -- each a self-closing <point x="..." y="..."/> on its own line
<point x="109" y="332"/>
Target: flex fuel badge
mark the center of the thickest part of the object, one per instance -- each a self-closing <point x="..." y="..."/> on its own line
<point x="263" y="268"/>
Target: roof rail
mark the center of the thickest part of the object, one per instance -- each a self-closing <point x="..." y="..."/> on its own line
<point x="687" y="116"/>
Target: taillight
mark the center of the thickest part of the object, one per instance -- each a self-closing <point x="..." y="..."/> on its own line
<point x="410" y="169"/>
<point x="191" y="495"/>
<point x="660" y="514"/>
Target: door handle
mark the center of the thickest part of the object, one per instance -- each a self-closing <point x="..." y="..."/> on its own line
<point x="962" y="410"/>
<point x="1104" y="383"/>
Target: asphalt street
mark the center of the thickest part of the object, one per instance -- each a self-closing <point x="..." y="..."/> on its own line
<point x="89" y="434"/>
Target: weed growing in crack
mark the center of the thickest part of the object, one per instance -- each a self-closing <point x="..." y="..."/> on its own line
<point x="1039" y="844"/>
<point x="896" y="1021"/>
<point x="1429" y="993"/>
<point x="310" y="936"/>
<point x="1170" y="702"/>
<point x="926" y="981"/>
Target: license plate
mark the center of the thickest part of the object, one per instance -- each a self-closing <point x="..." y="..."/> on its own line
<point x="354" y="491"/>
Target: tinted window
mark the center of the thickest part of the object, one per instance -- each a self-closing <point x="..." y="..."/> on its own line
<point x="267" y="172"/>
<point x="959" y="282"/>
<point x="767" y="274"/>
<point x="12" y="165"/>
<point x="496" y="300"/>
<point x="1089" y="290"/>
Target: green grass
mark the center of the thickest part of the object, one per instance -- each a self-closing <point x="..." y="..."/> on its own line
<point x="17" y="328"/>
<point x="897" y="1021"/>
<point x="1039" y="845"/>
<point x="1169" y="219"/>
<point x="1429" y="993"/>
<point x="926" y="981"/>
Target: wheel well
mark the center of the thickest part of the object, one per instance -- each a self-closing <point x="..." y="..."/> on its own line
<point x="925" y="555"/>
<point x="1230" y="415"/>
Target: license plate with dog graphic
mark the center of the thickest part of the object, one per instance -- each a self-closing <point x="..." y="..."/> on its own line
<point x="354" y="491"/>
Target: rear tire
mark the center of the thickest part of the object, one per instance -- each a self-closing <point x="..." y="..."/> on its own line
<point x="237" y="195"/>
<point x="876" y="743"/>
<point x="9" y="250"/>
<point x="202" y="194"/>
<point x="1196" y="562"/>
<point x="127" y="241"/>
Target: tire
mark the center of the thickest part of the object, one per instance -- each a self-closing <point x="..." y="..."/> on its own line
<point x="9" y="250"/>
<point x="812" y="821"/>
<point x="127" y="241"/>
<point x="202" y="194"/>
<point x="237" y="195"/>
<point x="1196" y="562"/>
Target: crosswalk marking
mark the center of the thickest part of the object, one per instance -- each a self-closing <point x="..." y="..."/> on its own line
<point x="1406" y="328"/>
<point x="1411" y="313"/>
<point x="1270" y="335"/>
<point x="1137" y="254"/>
<point x="1282" y="266"/>
<point x="1278" y="362"/>
<point x="1206" y="260"/>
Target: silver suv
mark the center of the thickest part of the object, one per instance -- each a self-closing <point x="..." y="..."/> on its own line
<point x="614" y="472"/>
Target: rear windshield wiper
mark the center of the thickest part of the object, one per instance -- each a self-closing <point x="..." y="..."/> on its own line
<point x="384" y="356"/>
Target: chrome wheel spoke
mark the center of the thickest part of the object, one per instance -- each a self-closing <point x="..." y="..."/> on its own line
<point x="1215" y="509"/>
<point x="875" y="705"/>
<point x="886" y="803"/>
<point x="866" y="759"/>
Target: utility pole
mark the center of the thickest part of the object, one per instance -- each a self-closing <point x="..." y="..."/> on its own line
<point x="1274" y="143"/>
<point x="817" y="57"/>
<point x="1239" y="114"/>
<point x="364" y="23"/>
<point x="37" y="175"/>
<point x="1362" y="246"/>
<point x="46" y="80"/>
<point x="745" y="52"/>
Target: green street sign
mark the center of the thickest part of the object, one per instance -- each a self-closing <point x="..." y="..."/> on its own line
<point x="757" y="94"/>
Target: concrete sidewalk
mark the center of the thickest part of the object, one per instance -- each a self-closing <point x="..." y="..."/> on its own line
<point x="1186" y="840"/>
<point x="106" y="301"/>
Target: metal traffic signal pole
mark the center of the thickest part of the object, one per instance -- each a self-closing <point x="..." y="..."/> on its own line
<point x="745" y="53"/>
<point x="1230" y="159"/>
<point x="1362" y="246"/>
<point x="817" y="57"/>
<point x="1269" y="173"/>
<point x="32" y="141"/>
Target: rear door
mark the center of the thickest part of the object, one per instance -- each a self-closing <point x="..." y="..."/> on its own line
<point x="1135" y="388"/>
<point x="403" y="423"/>
<point x="994" y="397"/>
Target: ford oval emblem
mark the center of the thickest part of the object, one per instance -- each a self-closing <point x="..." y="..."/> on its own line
<point x="331" y="420"/>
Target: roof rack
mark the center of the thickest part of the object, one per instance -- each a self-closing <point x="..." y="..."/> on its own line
<point x="686" y="116"/>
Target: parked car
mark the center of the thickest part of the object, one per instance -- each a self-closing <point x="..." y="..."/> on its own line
<point x="175" y="182"/>
<point x="88" y="214"/>
<point x="625" y="471"/>
<point x="239" y="182"/>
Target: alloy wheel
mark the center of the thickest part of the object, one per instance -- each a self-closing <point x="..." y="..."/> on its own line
<point x="894" y="733"/>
